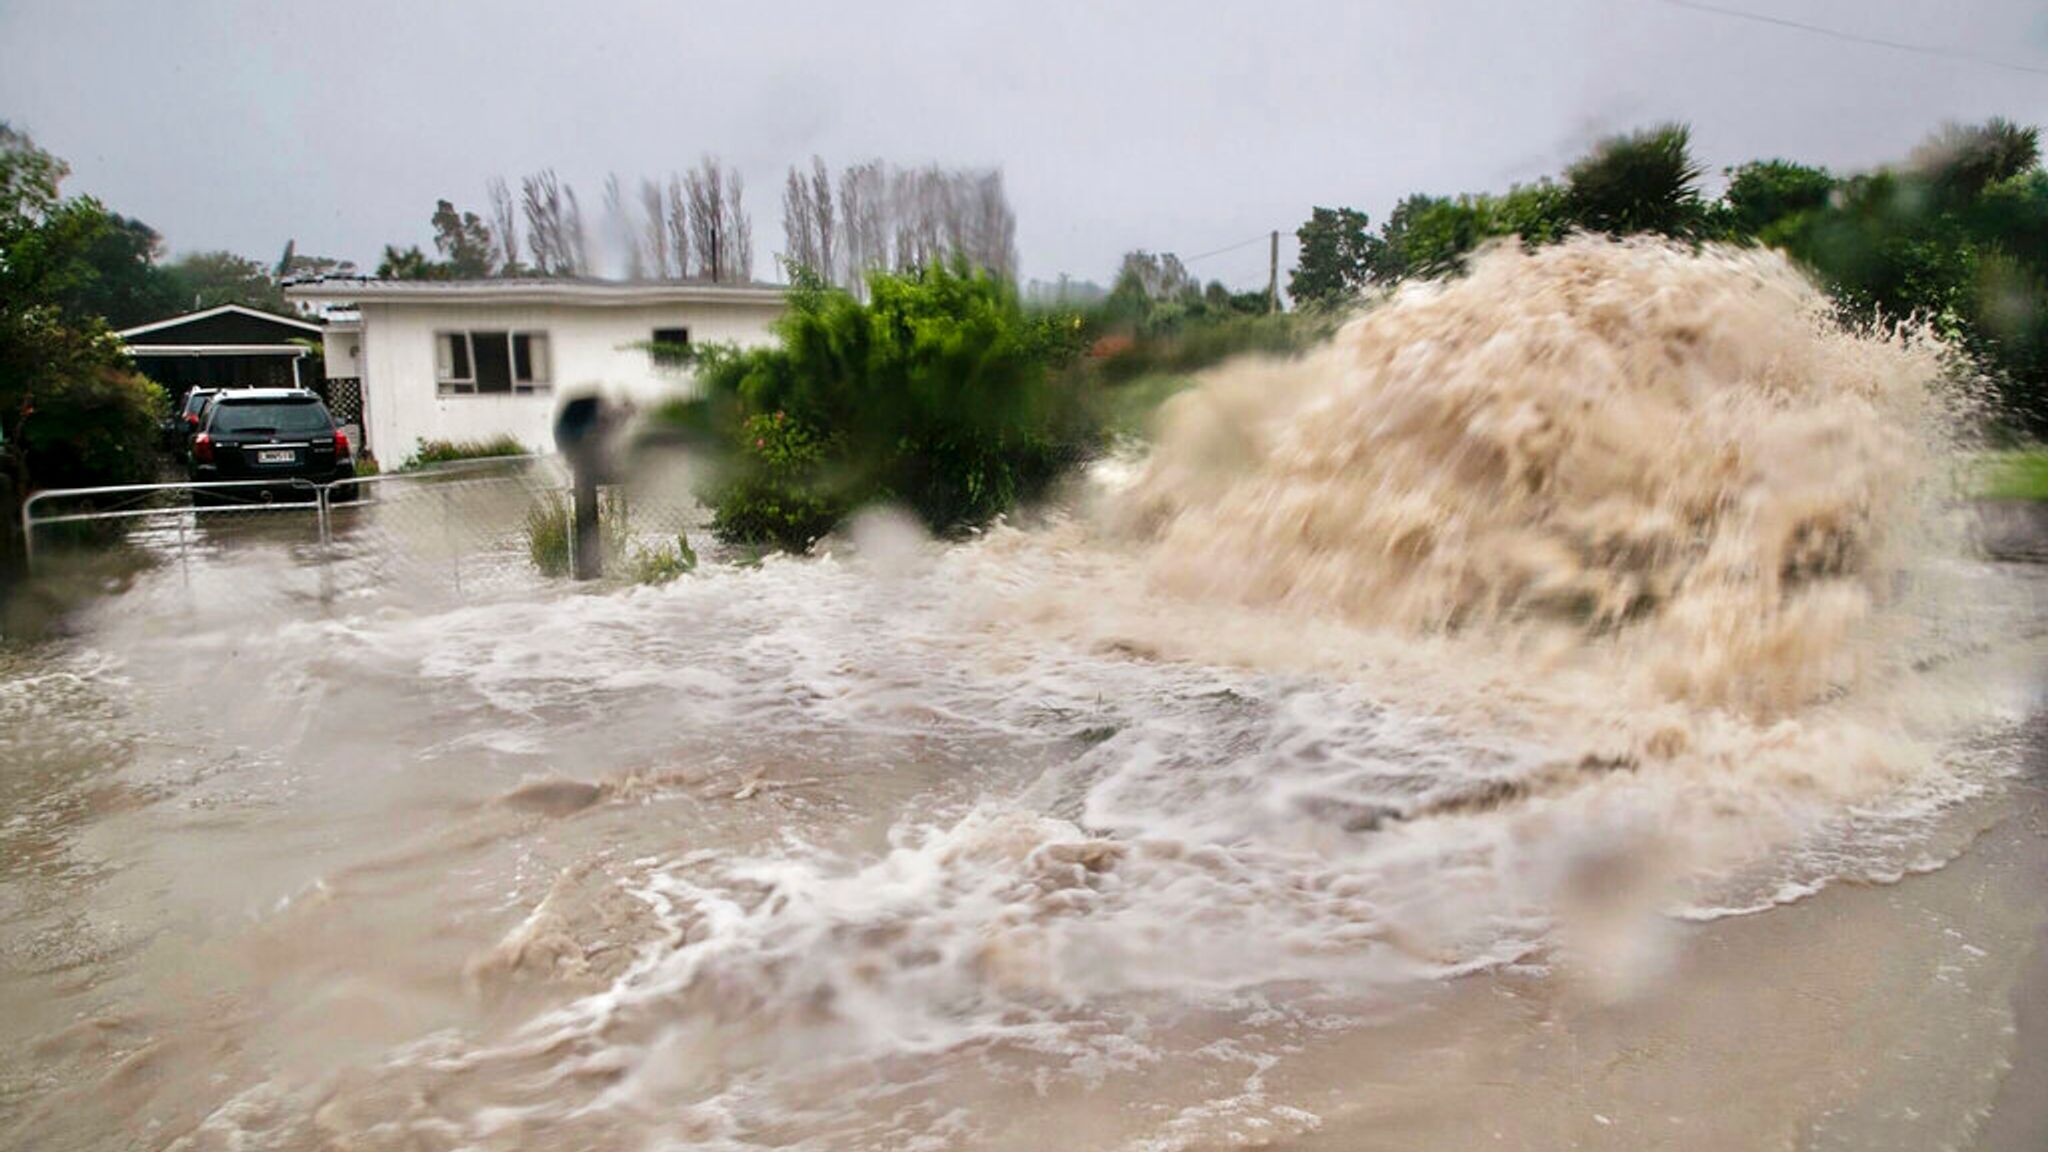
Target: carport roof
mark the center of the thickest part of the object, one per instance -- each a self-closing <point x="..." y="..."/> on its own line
<point x="225" y="318"/>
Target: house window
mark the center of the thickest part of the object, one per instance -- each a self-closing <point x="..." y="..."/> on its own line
<point x="670" y="346"/>
<point x="479" y="362"/>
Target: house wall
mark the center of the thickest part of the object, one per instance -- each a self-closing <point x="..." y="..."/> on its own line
<point x="341" y="349"/>
<point x="591" y="348"/>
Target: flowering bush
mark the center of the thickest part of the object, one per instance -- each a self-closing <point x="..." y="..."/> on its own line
<point x="938" y="393"/>
<point x="775" y="492"/>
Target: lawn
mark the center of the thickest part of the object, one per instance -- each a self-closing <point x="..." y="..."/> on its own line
<point x="1127" y="408"/>
<point x="2021" y="474"/>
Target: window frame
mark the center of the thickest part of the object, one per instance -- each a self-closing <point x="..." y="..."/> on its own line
<point x="656" y="347"/>
<point x="539" y="362"/>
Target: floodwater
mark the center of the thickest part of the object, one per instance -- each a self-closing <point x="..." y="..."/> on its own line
<point x="1562" y="713"/>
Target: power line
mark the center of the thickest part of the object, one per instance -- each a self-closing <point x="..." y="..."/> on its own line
<point x="1860" y="38"/>
<point x="1259" y="239"/>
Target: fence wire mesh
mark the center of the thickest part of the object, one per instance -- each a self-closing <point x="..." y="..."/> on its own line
<point x="468" y="529"/>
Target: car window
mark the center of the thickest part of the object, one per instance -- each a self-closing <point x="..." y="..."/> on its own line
<point x="283" y="417"/>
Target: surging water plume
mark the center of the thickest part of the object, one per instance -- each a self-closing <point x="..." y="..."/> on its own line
<point x="921" y="845"/>
<point x="1683" y="449"/>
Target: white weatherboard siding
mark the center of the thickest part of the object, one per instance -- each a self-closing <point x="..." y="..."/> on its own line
<point x="341" y="351"/>
<point x="591" y="347"/>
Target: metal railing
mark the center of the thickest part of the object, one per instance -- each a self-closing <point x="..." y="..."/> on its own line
<point x="468" y="522"/>
<point x="30" y="521"/>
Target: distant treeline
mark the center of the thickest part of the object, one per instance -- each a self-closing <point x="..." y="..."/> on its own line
<point x="695" y="225"/>
<point x="1955" y="236"/>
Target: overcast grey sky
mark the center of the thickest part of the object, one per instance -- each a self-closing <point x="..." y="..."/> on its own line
<point x="1179" y="126"/>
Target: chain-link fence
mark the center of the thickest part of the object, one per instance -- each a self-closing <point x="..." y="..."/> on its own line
<point x="467" y="528"/>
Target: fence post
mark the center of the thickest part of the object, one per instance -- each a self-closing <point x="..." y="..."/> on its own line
<point x="580" y="431"/>
<point x="448" y="534"/>
<point x="587" y="559"/>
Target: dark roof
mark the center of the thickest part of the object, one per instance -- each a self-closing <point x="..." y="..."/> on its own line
<point x="227" y="324"/>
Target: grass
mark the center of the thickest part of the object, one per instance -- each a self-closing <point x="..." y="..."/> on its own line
<point x="1126" y="409"/>
<point x="2021" y="474"/>
<point x="432" y="452"/>
<point x="548" y="536"/>
<point x="662" y="563"/>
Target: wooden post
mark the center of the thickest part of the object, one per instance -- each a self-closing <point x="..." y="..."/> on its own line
<point x="579" y="435"/>
<point x="1273" y="274"/>
<point x="586" y="561"/>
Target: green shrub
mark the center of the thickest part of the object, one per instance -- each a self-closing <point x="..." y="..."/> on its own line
<point x="775" y="490"/>
<point x="97" y="426"/>
<point x="939" y="393"/>
<point x="430" y="452"/>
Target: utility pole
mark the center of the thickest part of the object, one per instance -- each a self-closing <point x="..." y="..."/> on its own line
<point x="1273" y="274"/>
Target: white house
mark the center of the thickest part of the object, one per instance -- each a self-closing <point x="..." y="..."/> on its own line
<point x="476" y="359"/>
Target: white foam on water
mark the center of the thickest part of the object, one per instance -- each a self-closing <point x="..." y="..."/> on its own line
<point x="1542" y="607"/>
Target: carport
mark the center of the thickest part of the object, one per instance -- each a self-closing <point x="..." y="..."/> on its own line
<point x="226" y="347"/>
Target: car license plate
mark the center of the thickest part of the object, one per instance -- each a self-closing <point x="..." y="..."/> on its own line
<point x="275" y="456"/>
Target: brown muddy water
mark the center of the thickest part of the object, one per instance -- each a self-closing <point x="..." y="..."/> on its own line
<point x="1561" y="713"/>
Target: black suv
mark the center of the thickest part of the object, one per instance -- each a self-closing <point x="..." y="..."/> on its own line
<point x="280" y="434"/>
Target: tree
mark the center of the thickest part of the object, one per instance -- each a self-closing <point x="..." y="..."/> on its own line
<point x="678" y="214"/>
<point x="127" y="286"/>
<point x="1962" y="160"/>
<point x="411" y="264"/>
<point x="505" y="226"/>
<point x="864" y="217"/>
<point x="554" y="225"/>
<point x="823" y="220"/>
<point x="1423" y="236"/>
<point x="800" y="243"/>
<point x="810" y="226"/>
<point x="1644" y="181"/>
<point x="654" y="241"/>
<point x="1956" y="237"/>
<point x="910" y="218"/>
<point x="1539" y="213"/>
<point x="74" y="409"/>
<point x="1953" y="238"/>
<point x="1152" y="294"/>
<point x="464" y="241"/>
<point x="740" y="260"/>
<point x="704" y="188"/>
<point x="1763" y="193"/>
<point x="990" y="239"/>
<point x="1153" y="277"/>
<point x="1335" y="262"/>
<point x="620" y="234"/>
<point x="1427" y="236"/>
<point x="721" y="233"/>
<point x="210" y="279"/>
